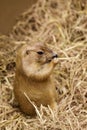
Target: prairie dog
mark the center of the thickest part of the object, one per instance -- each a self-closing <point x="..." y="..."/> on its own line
<point x="34" y="66"/>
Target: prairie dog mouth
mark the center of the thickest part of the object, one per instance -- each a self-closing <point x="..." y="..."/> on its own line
<point x="54" y="56"/>
<point x="55" y="60"/>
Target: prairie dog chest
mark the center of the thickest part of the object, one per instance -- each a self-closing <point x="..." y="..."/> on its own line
<point x="39" y="89"/>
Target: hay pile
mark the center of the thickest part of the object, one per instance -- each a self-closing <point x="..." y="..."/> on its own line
<point x="63" y="27"/>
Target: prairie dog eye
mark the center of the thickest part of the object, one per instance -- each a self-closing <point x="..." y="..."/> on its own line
<point x="27" y="52"/>
<point x="40" y="52"/>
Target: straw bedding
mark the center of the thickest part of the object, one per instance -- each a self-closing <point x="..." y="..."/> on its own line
<point x="62" y="25"/>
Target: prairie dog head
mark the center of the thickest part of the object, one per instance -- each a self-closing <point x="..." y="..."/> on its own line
<point x="36" y="61"/>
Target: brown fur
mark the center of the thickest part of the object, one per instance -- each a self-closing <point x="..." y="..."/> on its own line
<point x="33" y="77"/>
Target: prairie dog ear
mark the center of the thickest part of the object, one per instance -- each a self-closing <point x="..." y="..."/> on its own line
<point x="22" y="50"/>
<point x="27" y="52"/>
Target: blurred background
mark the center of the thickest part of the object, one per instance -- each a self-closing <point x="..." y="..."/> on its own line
<point x="10" y="10"/>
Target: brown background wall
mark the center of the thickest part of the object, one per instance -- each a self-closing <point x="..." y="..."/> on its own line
<point x="10" y="10"/>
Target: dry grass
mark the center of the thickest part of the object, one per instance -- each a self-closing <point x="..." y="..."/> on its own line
<point x="63" y="27"/>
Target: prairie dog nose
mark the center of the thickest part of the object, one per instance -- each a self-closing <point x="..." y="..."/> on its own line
<point x="54" y="56"/>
